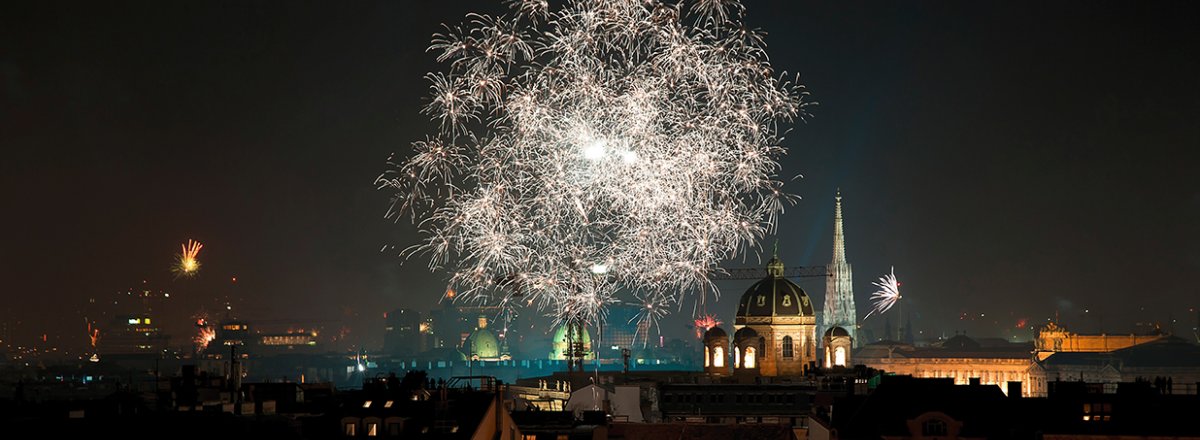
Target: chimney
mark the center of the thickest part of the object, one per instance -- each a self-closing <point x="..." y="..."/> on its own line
<point x="1014" y="389"/>
<point x="974" y="381"/>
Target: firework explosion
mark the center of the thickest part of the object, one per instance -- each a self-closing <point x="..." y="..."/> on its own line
<point x="887" y="295"/>
<point x="704" y="323"/>
<point x="609" y="144"/>
<point x="205" y="333"/>
<point x="187" y="264"/>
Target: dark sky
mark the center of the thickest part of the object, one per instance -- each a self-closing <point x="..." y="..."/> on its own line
<point x="1010" y="159"/>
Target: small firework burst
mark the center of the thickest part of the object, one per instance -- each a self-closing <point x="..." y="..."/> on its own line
<point x="703" y="323"/>
<point x="187" y="265"/>
<point x="887" y="295"/>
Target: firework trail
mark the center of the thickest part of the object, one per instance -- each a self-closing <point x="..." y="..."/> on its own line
<point x="887" y="295"/>
<point x="602" y="145"/>
<point x="93" y="334"/>
<point x="187" y="265"/>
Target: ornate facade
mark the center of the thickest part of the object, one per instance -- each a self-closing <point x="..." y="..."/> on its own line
<point x="1054" y="338"/>
<point x="776" y="327"/>
<point x="837" y="344"/>
<point x="839" y="289"/>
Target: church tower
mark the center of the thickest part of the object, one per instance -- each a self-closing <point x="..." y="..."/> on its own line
<point x="839" y="289"/>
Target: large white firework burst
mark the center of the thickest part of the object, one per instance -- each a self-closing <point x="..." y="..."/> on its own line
<point x="602" y="145"/>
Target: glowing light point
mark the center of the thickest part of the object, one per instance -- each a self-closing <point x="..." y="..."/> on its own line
<point x="595" y="150"/>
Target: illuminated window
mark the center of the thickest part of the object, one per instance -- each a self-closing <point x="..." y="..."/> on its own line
<point x="706" y="356"/>
<point x="718" y="356"/>
<point x="737" y="357"/>
<point x="1097" y="412"/>
<point x="529" y="437"/>
<point x="367" y="404"/>
<point x="351" y="429"/>
<point x="388" y="404"/>
<point x="135" y="321"/>
<point x="933" y="427"/>
<point x="787" y="347"/>
<point x="372" y="430"/>
<point x="839" y="356"/>
<point x="749" y="363"/>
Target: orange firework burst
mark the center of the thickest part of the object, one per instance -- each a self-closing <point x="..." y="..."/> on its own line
<point x="704" y="323"/>
<point x="188" y="265"/>
<point x="205" y="333"/>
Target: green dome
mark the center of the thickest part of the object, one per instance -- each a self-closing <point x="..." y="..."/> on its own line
<point x="559" y="341"/>
<point x="482" y="343"/>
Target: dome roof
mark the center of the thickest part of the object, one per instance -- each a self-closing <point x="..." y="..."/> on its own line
<point x="836" y="331"/>
<point x="774" y="300"/>
<point x="482" y="344"/>
<point x="960" y="342"/>
<point x="559" y="342"/>
<point x="715" y="332"/>
<point x="745" y="332"/>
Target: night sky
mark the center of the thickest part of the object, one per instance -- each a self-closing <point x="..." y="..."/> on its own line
<point x="1010" y="159"/>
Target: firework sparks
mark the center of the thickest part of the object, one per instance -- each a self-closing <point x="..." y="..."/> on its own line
<point x="654" y="307"/>
<point x="703" y="323"/>
<point x="93" y="334"/>
<point x="887" y="295"/>
<point x="205" y="333"/>
<point x="187" y="264"/>
<point x="605" y="145"/>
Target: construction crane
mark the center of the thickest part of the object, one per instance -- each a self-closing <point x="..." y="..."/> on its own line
<point x="754" y="273"/>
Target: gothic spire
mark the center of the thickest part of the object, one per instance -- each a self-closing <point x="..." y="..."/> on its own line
<point x="839" y="238"/>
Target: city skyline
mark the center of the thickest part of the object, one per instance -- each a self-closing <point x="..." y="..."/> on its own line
<point x="1009" y="170"/>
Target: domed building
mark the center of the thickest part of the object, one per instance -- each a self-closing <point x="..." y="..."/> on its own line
<point x="838" y="344"/>
<point x="781" y="315"/>
<point x="561" y="342"/>
<point x="482" y="344"/>
<point x="716" y="346"/>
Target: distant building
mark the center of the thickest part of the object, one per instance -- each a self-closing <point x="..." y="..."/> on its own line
<point x="959" y="359"/>
<point x="402" y="333"/>
<point x="622" y="330"/>
<point x="1173" y="361"/>
<point x="837" y="344"/>
<point x="568" y="336"/>
<point x="1054" y="338"/>
<point x="483" y="345"/>
<point x="839" y="288"/>
<point x="776" y="327"/>
<point x="133" y="335"/>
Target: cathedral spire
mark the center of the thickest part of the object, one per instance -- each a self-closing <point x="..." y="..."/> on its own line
<point x="839" y="238"/>
<point x="839" y="289"/>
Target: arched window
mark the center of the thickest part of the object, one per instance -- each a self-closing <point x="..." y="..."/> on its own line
<point x="839" y="356"/>
<point x="787" y="347"/>
<point x="737" y="357"/>
<point x="933" y="427"/>
<point x="749" y="358"/>
<point x="706" y="356"/>
<point x="718" y="356"/>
